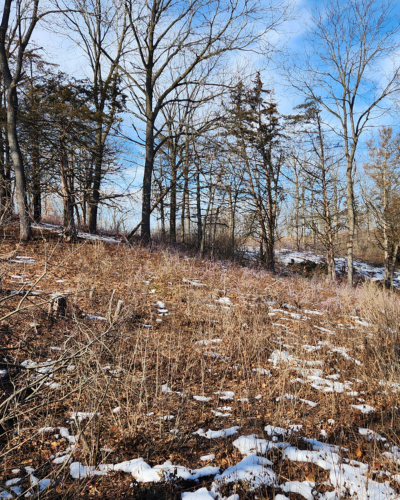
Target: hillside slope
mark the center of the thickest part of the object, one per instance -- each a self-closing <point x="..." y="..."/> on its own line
<point x="212" y="381"/>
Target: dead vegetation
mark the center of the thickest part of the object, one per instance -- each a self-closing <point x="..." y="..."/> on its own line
<point x="141" y="331"/>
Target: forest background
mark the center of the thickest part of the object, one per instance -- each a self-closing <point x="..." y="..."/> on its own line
<point x="224" y="125"/>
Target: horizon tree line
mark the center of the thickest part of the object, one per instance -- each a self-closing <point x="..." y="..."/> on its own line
<point x="219" y="161"/>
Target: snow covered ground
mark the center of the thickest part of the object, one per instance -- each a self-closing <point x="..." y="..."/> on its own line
<point x="347" y="478"/>
<point x="85" y="236"/>
<point x="312" y="363"/>
<point x="256" y="466"/>
<point x="287" y="256"/>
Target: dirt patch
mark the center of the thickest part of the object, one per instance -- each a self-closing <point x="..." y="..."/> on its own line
<point x="308" y="268"/>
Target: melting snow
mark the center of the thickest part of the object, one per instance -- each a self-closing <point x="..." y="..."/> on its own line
<point x="322" y="384"/>
<point x="343" y="352"/>
<point x="278" y="357"/>
<point x="251" y="469"/>
<point x="253" y="444"/>
<point x="208" y="341"/>
<point x="225" y="394"/>
<point x="217" y="434"/>
<point x="373" y="273"/>
<point x="324" y="459"/>
<point x="201" y="398"/>
<point x="193" y="282"/>
<point x="292" y="397"/>
<point x="225" y="301"/>
<point x="201" y="494"/>
<point x="304" y="488"/>
<point x="349" y="480"/>
<point x="364" y="408"/>
<point x="371" y="435"/>
<point x="220" y="414"/>
<point x="143" y="472"/>
<point x="81" y="415"/>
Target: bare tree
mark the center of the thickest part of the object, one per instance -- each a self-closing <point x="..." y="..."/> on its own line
<point x="345" y="74"/>
<point x="5" y="162"/>
<point x="16" y="26"/>
<point x="320" y="168"/>
<point x="185" y="119"/>
<point x="383" y="199"/>
<point x="172" y="39"/>
<point x="95" y="25"/>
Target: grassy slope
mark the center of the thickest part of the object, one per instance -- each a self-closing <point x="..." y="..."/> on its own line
<point x="142" y="360"/>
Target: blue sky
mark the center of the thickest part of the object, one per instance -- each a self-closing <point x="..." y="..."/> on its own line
<point x="289" y="40"/>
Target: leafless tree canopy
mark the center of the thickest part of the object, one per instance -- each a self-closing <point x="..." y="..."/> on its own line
<point x="172" y="90"/>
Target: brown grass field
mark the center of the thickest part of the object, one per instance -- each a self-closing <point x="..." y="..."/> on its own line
<point x="280" y="342"/>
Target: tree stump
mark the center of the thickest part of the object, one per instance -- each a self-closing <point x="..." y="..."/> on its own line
<point x="58" y="305"/>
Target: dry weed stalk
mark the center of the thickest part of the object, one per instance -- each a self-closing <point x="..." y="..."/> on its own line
<point x="129" y="377"/>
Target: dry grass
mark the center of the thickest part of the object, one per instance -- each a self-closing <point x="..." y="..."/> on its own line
<point x="142" y="360"/>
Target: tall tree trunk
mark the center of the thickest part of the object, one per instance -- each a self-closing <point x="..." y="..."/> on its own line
<point x="198" y="204"/>
<point x="162" y="217"/>
<point x="204" y="225"/>
<point x="97" y="175"/>
<point x="186" y="221"/>
<point x="78" y="215"/>
<point x="19" y="170"/>
<point x="327" y="217"/>
<point x="270" y="255"/>
<point x="172" y="208"/>
<point x="351" y="220"/>
<point x="297" y="210"/>
<point x="330" y="259"/>
<point x="36" y="184"/>
<point x="270" y="241"/>
<point x="186" y="200"/>
<point x="232" y="206"/>
<point x="7" y="175"/>
<point x="183" y="215"/>
<point x="264" y="237"/>
<point x="203" y="234"/>
<point x="37" y="200"/>
<point x="84" y="205"/>
<point x="214" y="234"/>
<point x="11" y="99"/>
<point x="313" y="220"/>
<point x="329" y="236"/>
<point x="394" y="260"/>
<point x="68" y="198"/>
<point x="386" y="248"/>
<point x="147" y="177"/>
<point x="387" y="264"/>
<point x="303" y="216"/>
<point x="87" y="192"/>
<point x="151" y="116"/>
<point x="3" y="190"/>
<point x="271" y="215"/>
<point x="336" y="212"/>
